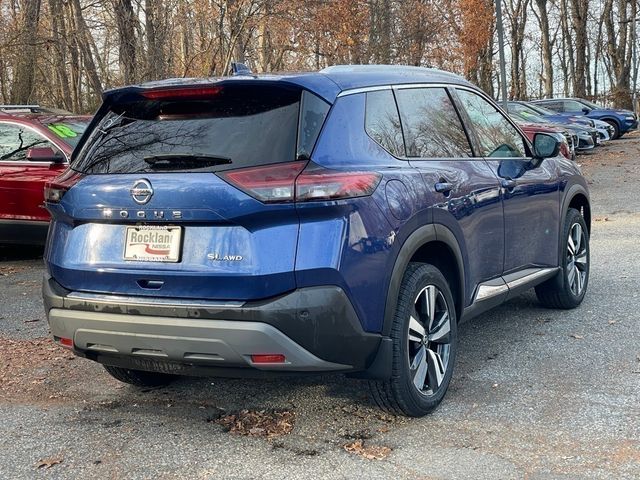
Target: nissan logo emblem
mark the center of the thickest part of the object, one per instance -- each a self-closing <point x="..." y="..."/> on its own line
<point x="141" y="191"/>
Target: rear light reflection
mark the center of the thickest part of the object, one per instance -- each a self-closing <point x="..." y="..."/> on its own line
<point x="286" y="182"/>
<point x="268" y="358"/>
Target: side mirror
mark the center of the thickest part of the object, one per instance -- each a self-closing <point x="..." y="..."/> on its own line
<point x="586" y="110"/>
<point x="44" y="154"/>
<point x="545" y="145"/>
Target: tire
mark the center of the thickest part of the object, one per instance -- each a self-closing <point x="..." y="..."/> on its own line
<point x="422" y="354"/>
<point x="616" y="129"/>
<point x="567" y="289"/>
<point x="139" y="378"/>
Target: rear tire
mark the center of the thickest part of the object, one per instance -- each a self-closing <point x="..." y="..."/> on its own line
<point x="139" y="378"/>
<point x="567" y="289"/>
<point x="424" y="335"/>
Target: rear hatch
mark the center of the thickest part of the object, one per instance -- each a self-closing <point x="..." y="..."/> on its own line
<point x="186" y="192"/>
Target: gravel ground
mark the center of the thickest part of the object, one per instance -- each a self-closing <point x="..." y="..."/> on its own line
<point x="537" y="394"/>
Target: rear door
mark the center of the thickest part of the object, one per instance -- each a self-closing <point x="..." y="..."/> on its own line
<point x="466" y="188"/>
<point x="186" y="193"/>
<point x="530" y="189"/>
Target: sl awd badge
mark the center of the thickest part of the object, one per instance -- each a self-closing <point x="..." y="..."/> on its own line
<point x="216" y="257"/>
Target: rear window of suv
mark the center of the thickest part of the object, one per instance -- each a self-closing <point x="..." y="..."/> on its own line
<point x="236" y="126"/>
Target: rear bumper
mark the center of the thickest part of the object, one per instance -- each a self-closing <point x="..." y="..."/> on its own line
<point x="315" y="328"/>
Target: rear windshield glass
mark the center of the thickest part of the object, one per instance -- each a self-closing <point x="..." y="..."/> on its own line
<point x="238" y="126"/>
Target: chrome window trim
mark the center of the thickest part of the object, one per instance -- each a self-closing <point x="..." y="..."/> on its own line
<point x="354" y="91"/>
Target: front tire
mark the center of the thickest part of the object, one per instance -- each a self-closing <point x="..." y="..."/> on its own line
<point x="616" y="129"/>
<point x="139" y="378"/>
<point x="567" y="289"/>
<point x="424" y="335"/>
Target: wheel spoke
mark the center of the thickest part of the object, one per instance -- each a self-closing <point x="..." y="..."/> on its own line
<point x="577" y="232"/>
<point x="441" y="329"/>
<point x="416" y="330"/>
<point x="420" y="366"/>
<point x="430" y="301"/>
<point x="571" y="246"/>
<point x="581" y="260"/>
<point x="578" y="281"/>
<point x="436" y="370"/>
<point x="571" y="276"/>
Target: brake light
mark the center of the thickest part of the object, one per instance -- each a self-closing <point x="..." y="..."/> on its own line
<point x="66" y="342"/>
<point x="181" y="93"/>
<point x="286" y="182"/>
<point x="327" y="185"/>
<point x="269" y="184"/>
<point x="56" y="188"/>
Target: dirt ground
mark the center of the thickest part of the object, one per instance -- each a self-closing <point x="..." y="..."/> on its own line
<point x="537" y="393"/>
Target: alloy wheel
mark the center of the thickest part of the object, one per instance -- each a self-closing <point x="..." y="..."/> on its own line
<point x="577" y="261"/>
<point x="429" y="340"/>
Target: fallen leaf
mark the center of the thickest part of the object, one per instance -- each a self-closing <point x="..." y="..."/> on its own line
<point x="576" y="336"/>
<point x="611" y="322"/>
<point x="31" y="321"/>
<point x="47" y="463"/>
<point x="370" y="452"/>
<point x="258" y="424"/>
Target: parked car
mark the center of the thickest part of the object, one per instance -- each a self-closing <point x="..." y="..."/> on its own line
<point x="567" y="146"/>
<point x="604" y="130"/>
<point x="549" y="115"/>
<point x="35" y="146"/>
<point x="585" y="137"/>
<point x="620" y="119"/>
<point x="338" y="221"/>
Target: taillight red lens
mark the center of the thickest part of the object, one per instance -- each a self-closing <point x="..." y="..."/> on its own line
<point x="181" y="93"/>
<point x="56" y="188"/>
<point x="269" y="184"/>
<point x="268" y="358"/>
<point x="327" y="185"/>
<point x="286" y="182"/>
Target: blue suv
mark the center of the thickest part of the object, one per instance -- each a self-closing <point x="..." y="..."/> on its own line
<point x="621" y="120"/>
<point x="337" y="221"/>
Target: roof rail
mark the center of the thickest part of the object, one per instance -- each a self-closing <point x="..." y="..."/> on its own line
<point x="18" y="106"/>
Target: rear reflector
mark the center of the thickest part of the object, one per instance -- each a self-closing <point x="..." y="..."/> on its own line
<point x="268" y="358"/>
<point x="181" y="93"/>
<point x="285" y="182"/>
<point x="66" y="342"/>
<point x="56" y="188"/>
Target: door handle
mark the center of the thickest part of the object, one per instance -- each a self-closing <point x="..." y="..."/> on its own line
<point x="444" y="187"/>
<point x="508" y="183"/>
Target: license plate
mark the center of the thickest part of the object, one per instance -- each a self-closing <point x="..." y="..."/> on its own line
<point x="152" y="244"/>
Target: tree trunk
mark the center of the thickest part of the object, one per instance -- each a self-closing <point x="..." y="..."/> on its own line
<point x="125" y="21"/>
<point x="579" y="9"/>
<point x="25" y="70"/>
<point x="546" y="47"/>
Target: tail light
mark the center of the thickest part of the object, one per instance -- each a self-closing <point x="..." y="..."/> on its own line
<point x="286" y="182"/>
<point x="55" y="189"/>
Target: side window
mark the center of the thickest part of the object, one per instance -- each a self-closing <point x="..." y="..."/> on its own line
<point x="496" y="135"/>
<point x="572" y="106"/>
<point x="382" y="122"/>
<point x="432" y="128"/>
<point x="16" y="140"/>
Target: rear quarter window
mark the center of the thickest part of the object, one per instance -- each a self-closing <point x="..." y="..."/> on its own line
<point x="382" y="122"/>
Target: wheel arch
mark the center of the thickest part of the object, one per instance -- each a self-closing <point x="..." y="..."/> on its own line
<point x="577" y="197"/>
<point x="434" y="244"/>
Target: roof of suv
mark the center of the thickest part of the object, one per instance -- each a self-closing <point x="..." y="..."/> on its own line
<point x="327" y="83"/>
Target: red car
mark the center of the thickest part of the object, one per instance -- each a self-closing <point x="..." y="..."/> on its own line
<point x="35" y="146"/>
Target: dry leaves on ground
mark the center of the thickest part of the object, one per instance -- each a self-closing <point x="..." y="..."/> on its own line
<point x="370" y="452"/>
<point x="49" y="462"/>
<point x="259" y="424"/>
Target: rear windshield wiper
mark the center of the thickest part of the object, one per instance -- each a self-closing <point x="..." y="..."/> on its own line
<point x="184" y="161"/>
